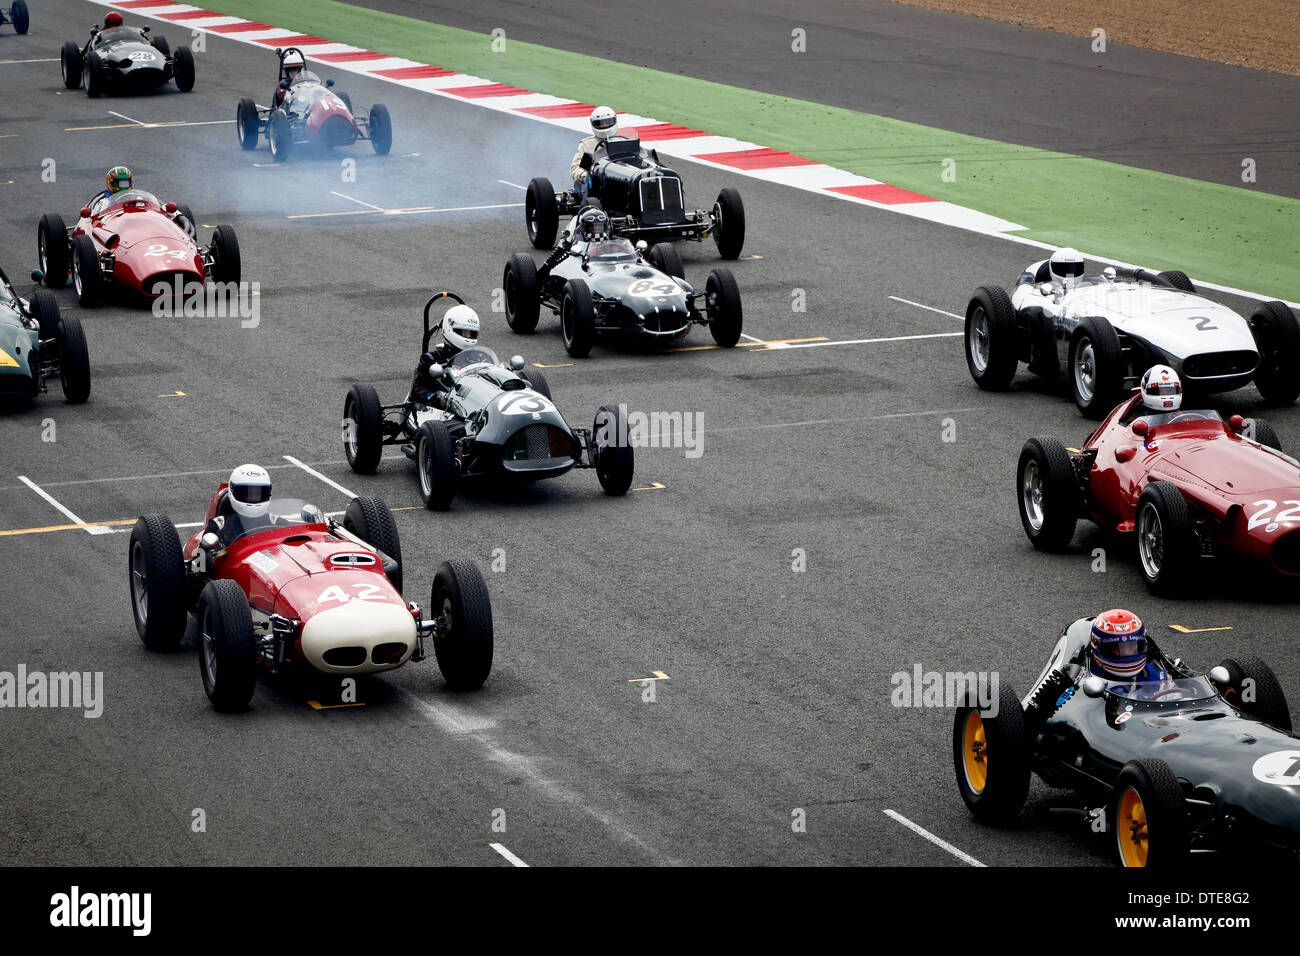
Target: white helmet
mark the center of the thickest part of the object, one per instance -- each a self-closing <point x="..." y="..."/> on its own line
<point x="250" y="490"/>
<point x="1162" y="391"/>
<point x="604" y="123"/>
<point x="292" y="61"/>
<point x="460" y="326"/>
<point x="1065" y="264"/>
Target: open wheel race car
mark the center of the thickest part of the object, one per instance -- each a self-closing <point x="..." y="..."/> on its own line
<point x="644" y="200"/>
<point x="37" y="344"/>
<point x="17" y="15"/>
<point x="294" y="590"/>
<point x="1187" y="762"/>
<point x="307" y="111"/>
<point x="127" y="60"/>
<point x="496" y="421"/>
<point x="1103" y="331"/>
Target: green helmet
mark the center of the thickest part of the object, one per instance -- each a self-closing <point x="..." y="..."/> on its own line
<point x="118" y="179"/>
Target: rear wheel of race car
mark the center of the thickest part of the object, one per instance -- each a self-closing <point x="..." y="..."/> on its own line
<point x="226" y="263"/>
<point x="1254" y="688"/>
<point x="615" y="460"/>
<point x="363" y="428"/>
<point x="93" y="74"/>
<point x="577" y="319"/>
<point x="1096" y="368"/>
<point x="45" y="309"/>
<point x="70" y="64"/>
<point x="74" y="361"/>
<point x="723" y="308"/>
<point x="87" y="276"/>
<point x="463" y="642"/>
<point x="541" y="213"/>
<point x="664" y="257"/>
<point x="1265" y="434"/>
<point x="1277" y="335"/>
<point x="346" y="98"/>
<point x="729" y="224"/>
<point x="1168" y="550"/>
<point x="279" y="136"/>
<point x="435" y="463"/>
<point x="188" y="215"/>
<point x="21" y="18"/>
<point x="157" y="582"/>
<point x="227" y="648"/>
<point x="1178" y="280"/>
<point x="160" y="44"/>
<point x="991" y="349"/>
<point x="371" y="520"/>
<point x="246" y="123"/>
<point x="52" y="250"/>
<point x="381" y="129"/>
<point x="991" y="756"/>
<point x="183" y="69"/>
<point x="523" y="300"/>
<point x="1148" y="815"/>
<point x="1047" y="493"/>
<point x="536" y="381"/>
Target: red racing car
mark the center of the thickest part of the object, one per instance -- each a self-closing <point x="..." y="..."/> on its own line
<point x="1188" y="484"/>
<point x="290" y="589"/>
<point x="133" y="242"/>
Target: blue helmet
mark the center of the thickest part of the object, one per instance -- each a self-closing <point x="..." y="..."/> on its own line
<point x="1119" y="643"/>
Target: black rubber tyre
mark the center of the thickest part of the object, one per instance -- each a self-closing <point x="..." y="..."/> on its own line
<point x="160" y="44"/>
<point x="541" y="215"/>
<point x="227" y="648"/>
<point x="363" y="423"/>
<point x="52" y="250"/>
<point x="464" y="651"/>
<point x="19" y="15"/>
<point x="1262" y="697"/>
<point x="93" y="75"/>
<point x="664" y="257"/>
<point x="381" y="129"/>
<point x="722" y="306"/>
<point x="156" y="581"/>
<point x="1168" y="550"/>
<point x="1277" y="334"/>
<point x="346" y="98"/>
<point x="1163" y="813"/>
<point x="729" y="224"/>
<point x="1178" y="280"/>
<point x="615" y="459"/>
<point x="523" y="299"/>
<point x="991" y="758"/>
<point x="70" y="65"/>
<point x="45" y="309"/>
<point x="1096" y="368"/>
<point x="227" y="265"/>
<point x="87" y="276"/>
<point x="536" y="381"/>
<point x="74" y="360"/>
<point x="371" y="520"/>
<point x="279" y="136"/>
<point x="992" y="352"/>
<point x="188" y="215"/>
<point x="435" y="465"/>
<point x="1265" y="434"/>
<point x="577" y="319"/>
<point x="183" y="69"/>
<point x="1047" y="492"/>
<point x="247" y="123"/>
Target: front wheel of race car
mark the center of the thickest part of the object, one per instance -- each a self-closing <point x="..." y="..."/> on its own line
<point x="729" y="224"/>
<point x="52" y="250"/>
<point x="536" y="381"/>
<point x="615" y="460"/>
<point x="992" y="756"/>
<point x="1168" y="548"/>
<point x="435" y="462"/>
<point x="541" y="213"/>
<point x="991" y="348"/>
<point x="87" y="276"/>
<point x="74" y="361"/>
<point x="1047" y="492"/>
<point x="722" y="306"/>
<point x="1148" y="815"/>
<point x="371" y="520"/>
<point x="363" y="428"/>
<point x="45" y="309"/>
<point x="523" y="300"/>
<point x="160" y="44"/>
<point x="70" y="65"/>
<point x="381" y="129"/>
<point x="227" y="648"/>
<point x="247" y="125"/>
<point x="459" y="602"/>
<point x="1254" y="688"/>
<point x="93" y="75"/>
<point x="226" y="263"/>
<point x="183" y="69"/>
<point x="21" y="18"/>
<point x="157" y="582"/>
<point x="664" y="257"/>
<point x="1265" y="434"/>
<point x="1096" y="368"/>
<point x="279" y="135"/>
<point x="577" y="319"/>
<point x="1277" y="335"/>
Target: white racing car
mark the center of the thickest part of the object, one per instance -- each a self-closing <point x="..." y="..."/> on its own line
<point x="1105" y="330"/>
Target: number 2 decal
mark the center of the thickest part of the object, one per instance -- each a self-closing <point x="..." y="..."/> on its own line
<point x="365" y="592"/>
<point x="1266" y="506"/>
<point x="1202" y="323"/>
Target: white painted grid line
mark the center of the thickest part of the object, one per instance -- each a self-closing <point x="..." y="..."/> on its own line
<point x="316" y="474"/>
<point x="514" y="860"/>
<point x="90" y="528"/>
<point x="942" y="844"/>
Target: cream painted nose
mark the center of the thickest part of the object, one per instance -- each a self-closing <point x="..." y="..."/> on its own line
<point x="359" y="637"/>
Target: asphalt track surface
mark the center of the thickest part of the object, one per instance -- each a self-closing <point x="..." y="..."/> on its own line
<point x="1173" y="114"/>
<point x="778" y="689"/>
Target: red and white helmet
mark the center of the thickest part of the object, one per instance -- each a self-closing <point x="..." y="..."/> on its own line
<point x="604" y="122"/>
<point x="460" y="327"/>
<point x="1119" y="643"/>
<point x="250" y="491"/>
<point x="1162" y="390"/>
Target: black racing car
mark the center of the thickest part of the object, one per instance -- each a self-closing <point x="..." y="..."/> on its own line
<point x="644" y="200"/>
<point x="17" y="15"/>
<point x="1190" y="762"/>
<point x="126" y="60"/>
<point x="495" y="421"/>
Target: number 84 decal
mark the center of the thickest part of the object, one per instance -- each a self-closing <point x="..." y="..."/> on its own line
<point x="1265" y="514"/>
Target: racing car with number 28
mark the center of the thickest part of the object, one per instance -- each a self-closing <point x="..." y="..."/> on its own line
<point x="124" y="59"/>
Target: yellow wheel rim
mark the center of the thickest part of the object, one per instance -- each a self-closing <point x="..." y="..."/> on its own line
<point x="1131" y="827"/>
<point x="974" y="750"/>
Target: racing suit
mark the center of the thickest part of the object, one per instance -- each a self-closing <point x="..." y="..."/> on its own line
<point x="426" y="389"/>
<point x="581" y="177"/>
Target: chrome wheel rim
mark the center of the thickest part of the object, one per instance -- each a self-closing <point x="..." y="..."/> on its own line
<point x="1085" y="370"/>
<point x="979" y="340"/>
<point x="1151" y="541"/>
<point x="350" y="431"/>
<point x="426" y="468"/>
<point x="1031" y="495"/>
<point x="41" y="254"/>
<point x="566" y="322"/>
<point x="76" y="275"/>
<point x="139" y="584"/>
<point x="209" y="648"/>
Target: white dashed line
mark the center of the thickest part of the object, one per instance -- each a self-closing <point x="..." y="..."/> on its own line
<point x="942" y="844"/>
<point x="316" y="474"/>
<point x="928" y="308"/>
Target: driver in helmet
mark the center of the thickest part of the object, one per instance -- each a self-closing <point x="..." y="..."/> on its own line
<point x="1162" y="399"/>
<point x="249" y="495"/>
<point x="293" y="66"/>
<point x="590" y="225"/>
<point x="459" y="328"/>
<point x="1065" y="267"/>
<point x="116" y="180"/>
<point x="604" y="124"/>
<point x="112" y="21"/>
<point x="1118" y="649"/>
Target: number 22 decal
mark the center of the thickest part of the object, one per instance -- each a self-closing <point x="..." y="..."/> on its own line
<point x="365" y="592"/>
<point x="1266" y="506"/>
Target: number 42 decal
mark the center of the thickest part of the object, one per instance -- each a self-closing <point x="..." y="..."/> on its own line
<point x="1265" y="514"/>
<point x="365" y="592"/>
